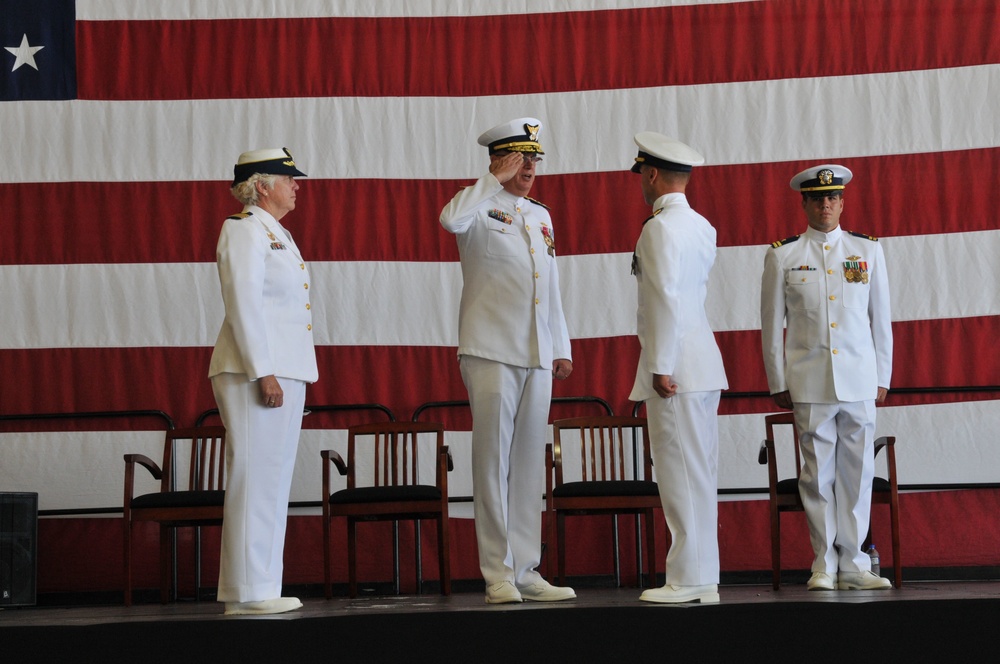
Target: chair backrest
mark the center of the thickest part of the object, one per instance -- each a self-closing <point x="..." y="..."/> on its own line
<point x="390" y="453"/>
<point x="199" y="453"/>
<point x="605" y="447"/>
<point x="772" y="422"/>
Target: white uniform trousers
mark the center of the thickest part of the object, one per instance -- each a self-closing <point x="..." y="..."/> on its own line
<point x="510" y="410"/>
<point x="684" y="436"/>
<point x="838" y="456"/>
<point x="260" y="457"/>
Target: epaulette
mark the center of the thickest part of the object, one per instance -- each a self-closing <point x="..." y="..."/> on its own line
<point x="865" y="236"/>
<point x="785" y="241"/>
<point x="658" y="211"/>
<point x="240" y="215"/>
<point x="537" y="202"/>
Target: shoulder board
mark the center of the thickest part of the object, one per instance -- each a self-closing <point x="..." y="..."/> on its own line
<point x="785" y="241"/>
<point x="652" y="216"/>
<point x="537" y="202"/>
<point x="240" y="215"/>
<point x="864" y="235"/>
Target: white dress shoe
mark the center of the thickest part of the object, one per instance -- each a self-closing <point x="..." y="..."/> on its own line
<point x="670" y="594"/>
<point x="502" y="592"/>
<point x="263" y="607"/>
<point x="543" y="591"/>
<point x="863" y="581"/>
<point x="822" y="581"/>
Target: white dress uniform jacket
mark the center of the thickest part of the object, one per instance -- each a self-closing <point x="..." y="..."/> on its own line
<point x="267" y="330"/>
<point x="511" y="310"/>
<point x="832" y="290"/>
<point x="673" y="258"/>
<point x="265" y="286"/>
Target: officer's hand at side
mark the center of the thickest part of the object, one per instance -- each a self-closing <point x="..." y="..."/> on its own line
<point x="561" y="369"/>
<point x="883" y="392"/>
<point x="783" y="399"/>
<point x="663" y="386"/>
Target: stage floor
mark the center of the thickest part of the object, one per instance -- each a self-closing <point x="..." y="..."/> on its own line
<point x="923" y="621"/>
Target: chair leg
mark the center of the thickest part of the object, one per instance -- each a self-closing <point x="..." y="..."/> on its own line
<point x="550" y="546"/>
<point x="327" y="573"/>
<point x="444" y="555"/>
<point x="775" y="548"/>
<point x="561" y="547"/>
<point x="650" y="548"/>
<point x="166" y="558"/>
<point x="352" y="558"/>
<point x="127" y="559"/>
<point x="615" y="554"/>
<point x="897" y="565"/>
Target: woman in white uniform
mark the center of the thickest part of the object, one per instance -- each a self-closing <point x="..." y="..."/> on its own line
<point x="262" y="361"/>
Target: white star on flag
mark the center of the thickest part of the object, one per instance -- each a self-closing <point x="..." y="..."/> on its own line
<point x="24" y="54"/>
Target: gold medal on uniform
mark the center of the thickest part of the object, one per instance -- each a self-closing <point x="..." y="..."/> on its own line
<point x="855" y="270"/>
<point x="549" y="242"/>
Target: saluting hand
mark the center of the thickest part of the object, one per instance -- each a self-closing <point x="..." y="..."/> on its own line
<point x="506" y="167"/>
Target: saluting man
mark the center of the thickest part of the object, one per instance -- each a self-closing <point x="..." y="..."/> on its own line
<point x="831" y="367"/>
<point x="512" y="340"/>
<point x="680" y="375"/>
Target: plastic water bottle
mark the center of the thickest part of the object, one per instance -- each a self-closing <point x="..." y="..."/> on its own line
<point x="873" y="554"/>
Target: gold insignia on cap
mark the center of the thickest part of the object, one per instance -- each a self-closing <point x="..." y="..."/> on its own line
<point x="289" y="163"/>
<point x="531" y="131"/>
<point x="825" y="176"/>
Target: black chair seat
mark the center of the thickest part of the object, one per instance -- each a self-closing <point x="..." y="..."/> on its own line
<point x="180" y="499"/>
<point x="788" y="487"/>
<point x="386" y="494"/>
<point x="607" y="488"/>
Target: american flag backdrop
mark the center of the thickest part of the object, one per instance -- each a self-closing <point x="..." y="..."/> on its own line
<point x="120" y="122"/>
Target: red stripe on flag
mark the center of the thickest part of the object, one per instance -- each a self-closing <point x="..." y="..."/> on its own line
<point x="348" y="220"/>
<point x="403" y="377"/>
<point x="467" y="56"/>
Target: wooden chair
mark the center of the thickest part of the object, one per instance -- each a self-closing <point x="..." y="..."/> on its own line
<point x="198" y="502"/>
<point x="613" y="479"/>
<point x="385" y="482"/>
<point x="784" y="493"/>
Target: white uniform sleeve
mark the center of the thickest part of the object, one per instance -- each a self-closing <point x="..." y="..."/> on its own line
<point x="241" y="257"/>
<point x="880" y="314"/>
<point x="660" y="298"/>
<point x="772" y="322"/>
<point x="557" y="319"/>
<point x="459" y="214"/>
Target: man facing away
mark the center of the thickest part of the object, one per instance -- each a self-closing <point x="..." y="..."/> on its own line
<point x="680" y="374"/>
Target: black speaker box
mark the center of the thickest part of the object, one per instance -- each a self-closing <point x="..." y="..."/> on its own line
<point x="18" y="537"/>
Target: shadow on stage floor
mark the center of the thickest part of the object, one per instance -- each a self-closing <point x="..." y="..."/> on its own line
<point x="939" y="621"/>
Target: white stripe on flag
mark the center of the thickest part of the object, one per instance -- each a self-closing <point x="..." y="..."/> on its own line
<point x="812" y="118"/>
<point x="153" y="10"/>
<point x="416" y="303"/>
